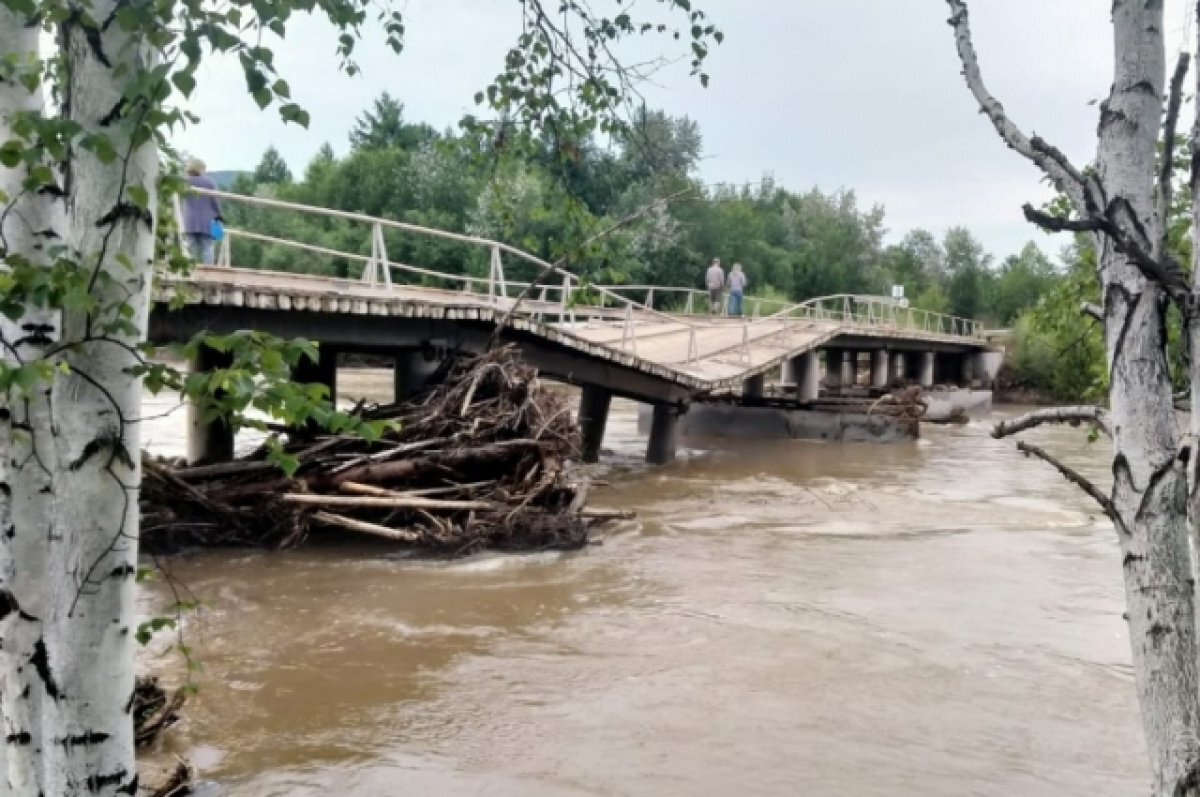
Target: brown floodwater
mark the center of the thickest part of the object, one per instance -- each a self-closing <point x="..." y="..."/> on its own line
<point x="934" y="618"/>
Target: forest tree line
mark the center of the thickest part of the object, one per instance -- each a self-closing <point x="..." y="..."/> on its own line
<point x="534" y="194"/>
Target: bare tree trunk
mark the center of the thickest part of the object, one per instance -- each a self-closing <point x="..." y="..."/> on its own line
<point x="1149" y="489"/>
<point x="93" y="552"/>
<point x="31" y="228"/>
<point x="1149" y="501"/>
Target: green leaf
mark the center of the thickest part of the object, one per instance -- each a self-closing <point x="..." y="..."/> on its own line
<point x="11" y="152"/>
<point x="262" y="96"/>
<point x="184" y="82"/>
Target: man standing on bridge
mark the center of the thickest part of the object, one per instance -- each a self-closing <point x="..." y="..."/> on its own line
<point x="714" y="280"/>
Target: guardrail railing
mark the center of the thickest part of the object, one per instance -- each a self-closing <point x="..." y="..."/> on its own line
<point x="567" y="296"/>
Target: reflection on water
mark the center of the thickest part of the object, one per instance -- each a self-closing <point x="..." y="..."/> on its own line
<point x="936" y="618"/>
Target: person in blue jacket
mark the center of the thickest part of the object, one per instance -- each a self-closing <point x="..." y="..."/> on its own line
<point x="737" y="289"/>
<point x="201" y="216"/>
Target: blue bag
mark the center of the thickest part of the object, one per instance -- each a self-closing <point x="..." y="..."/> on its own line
<point x="216" y="230"/>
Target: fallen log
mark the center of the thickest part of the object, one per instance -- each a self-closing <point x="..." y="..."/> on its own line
<point x="374" y="502"/>
<point x="363" y="527"/>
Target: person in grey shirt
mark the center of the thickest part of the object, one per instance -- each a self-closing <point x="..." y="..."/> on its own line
<point x="737" y="289"/>
<point x="714" y="280"/>
<point x="199" y="213"/>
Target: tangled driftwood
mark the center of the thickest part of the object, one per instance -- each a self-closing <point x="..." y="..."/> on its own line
<point x="479" y="461"/>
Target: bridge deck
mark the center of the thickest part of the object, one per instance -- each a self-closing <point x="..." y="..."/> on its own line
<point x="698" y="353"/>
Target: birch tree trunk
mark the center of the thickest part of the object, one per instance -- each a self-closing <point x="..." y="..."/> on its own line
<point x="1149" y="491"/>
<point x="32" y="227"/>
<point x="93" y="553"/>
<point x="1149" y="499"/>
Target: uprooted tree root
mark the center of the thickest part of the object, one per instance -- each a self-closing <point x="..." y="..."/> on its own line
<point x="479" y="461"/>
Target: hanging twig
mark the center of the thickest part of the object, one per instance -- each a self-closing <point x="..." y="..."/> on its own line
<point x="1097" y="416"/>
<point x="1070" y="475"/>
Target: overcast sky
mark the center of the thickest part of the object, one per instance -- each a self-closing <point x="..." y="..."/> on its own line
<point x="861" y="94"/>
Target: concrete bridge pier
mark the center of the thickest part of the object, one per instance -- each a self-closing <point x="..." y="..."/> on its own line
<point x="208" y="441"/>
<point x="594" y="403"/>
<point x="755" y="386"/>
<point x="664" y="435"/>
<point x="321" y="372"/>
<point x="879" y="368"/>
<point x="966" y="369"/>
<point x="850" y="369"/>
<point x="833" y="368"/>
<point x="899" y="367"/>
<point x="927" y="369"/>
<point x="987" y="366"/>
<point x="806" y="371"/>
<point x="411" y="372"/>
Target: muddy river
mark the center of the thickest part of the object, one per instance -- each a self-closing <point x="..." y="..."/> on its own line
<point x="934" y="618"/>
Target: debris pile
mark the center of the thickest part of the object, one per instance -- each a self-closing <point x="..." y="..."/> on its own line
<point x="478" y="461"/>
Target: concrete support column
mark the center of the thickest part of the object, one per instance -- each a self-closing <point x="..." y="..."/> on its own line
<point x="807" y="371"/>
<point x="987" y="366"/>
<point x="966" y="369"/>
<point x="927" y="369"/>
<point x="879" y="368"/>
<point x="664" y="435"/>
<point x="833" y="368"/>
<point x="593" y="417"/>
<point x="850" y="369"/>
<point x="208" y="441"/>
<point x="411" y="373"/>
<point x="899" y="365"/>
<point x="755" y="386"/>
<point x="321" y="372"/>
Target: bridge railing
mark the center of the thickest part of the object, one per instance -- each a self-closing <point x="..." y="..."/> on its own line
<point x="569" y="299"/>
<point x="567" y="296"/>
<point x="882" y="311"/>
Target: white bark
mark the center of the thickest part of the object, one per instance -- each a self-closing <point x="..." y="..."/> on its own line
<point x="92" y="564"/>
<point x="1149" y="499"/>
<point x="31" y="226"/>
<point x="1149" y="490"/>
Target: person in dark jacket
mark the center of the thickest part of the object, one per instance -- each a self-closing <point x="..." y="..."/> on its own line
<point x="199" y="213"/>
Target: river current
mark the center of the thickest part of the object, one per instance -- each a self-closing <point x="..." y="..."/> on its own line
<point x="788" y="618"/>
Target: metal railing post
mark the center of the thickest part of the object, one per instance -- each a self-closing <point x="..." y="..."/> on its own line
<point x="224" y="253"/>
<point x="650" y="298"/>
<point x="629" y="333"/>
<point x="687" y="309"/>
<point x="693" y="351"/>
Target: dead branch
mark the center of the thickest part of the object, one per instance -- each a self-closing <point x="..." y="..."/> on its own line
<point x="1066" y="177"/>
<point x="1165" y="272"/>
<point x="1096" y="416"/>
<point x="1094" y="311"/>
<point x="1071" y="475"/>
<point x="363" y="527"/>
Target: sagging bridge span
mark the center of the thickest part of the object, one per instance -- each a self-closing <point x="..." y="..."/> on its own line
<point x="610" y="340"/>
